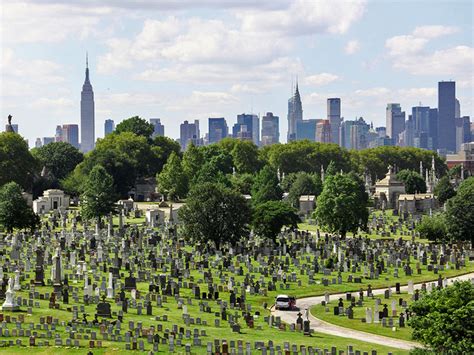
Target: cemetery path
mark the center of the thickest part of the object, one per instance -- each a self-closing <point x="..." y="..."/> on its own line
<point x="324" y="327"/>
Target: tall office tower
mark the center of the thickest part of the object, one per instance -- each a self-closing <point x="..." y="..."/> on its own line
<point x="345" y="134"/>
<point x="109" y="126"/>
<point x="433" y="133"/>
<point x="38" y="143"/>
<point x="58" y="136"/>
<point x="334" y="117"/>
<point x="323" y="131"/>
<point x="248" y="125"/>
<point x="446" y="115"/>
<point x="381" y="132"/>
<point x="270" y="129"/>
<point x="12" y="126"/>
<point x="306" y="129"/>
<point x="188" y="132"/>
<point x="457" y="109"/>
<point x="406" y="137"/>
<point x="295" y="114"/>
<point x="463" y="131"/>
<point x="47" y="140"/>
<point x="358" y="134"/>
<point x="395" y="121"/>
<point x="421" y="127"/>
<point x="71" y="134"/>
<point x="87" y="114"/>
<point x="217" y="129"/>
<point x="158" y="128"/>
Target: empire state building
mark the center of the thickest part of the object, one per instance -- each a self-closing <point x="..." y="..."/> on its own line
<point x="87" y="114"/>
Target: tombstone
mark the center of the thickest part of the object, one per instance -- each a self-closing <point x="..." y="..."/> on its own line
<point x="103" y="309"/>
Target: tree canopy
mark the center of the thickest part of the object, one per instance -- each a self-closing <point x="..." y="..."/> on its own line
<point x="443" y="319"/>
<point x="16" y="162"/>
<point x="266" y="186"/>
<point x="172" y="180"/>
<point x="60" y="158"/>
<point x="460" y="212"/>
<point x="304" y="184"/>
<point x="98" y="198"/>
<point x="342" y="205"/>
<point x="444" y="190"/>
<point x="433" y="228"/>
<point x="136" y="125"/>
<point x="214" y="213"/>
<point x="14" y="211"/>
<point x="271" y="216"/>
<point x="414" y="182"/>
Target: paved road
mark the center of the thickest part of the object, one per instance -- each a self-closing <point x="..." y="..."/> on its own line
<point x="324" y="327"/>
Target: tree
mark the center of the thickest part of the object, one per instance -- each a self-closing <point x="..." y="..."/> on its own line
<point x="432" y="228"/>
<point x="242" y="183"/>
<point x="98" y="198"/>
<point x="266" y="186"/>
<point x="16" y="162"/>
<point x="304" y="184"/>
<point x="124" y="156"/>
<point x="60" y="158"/>
<point x="172" y="180"/>
<point x="162" y="147"/>
<point x="460" y="212"/>
<point x="215" y="213"/>
<point x="193" y="160"/>
<point x="271" y="216"/>
<point x="444" y="190"/>
<point x="342" y="205"/>
<point x="414" y="182"/>
<point x="136" y="125"/>
<point x="245" y="157"/>
<point x="443" y="319"/>
<point x="14" y="211"/>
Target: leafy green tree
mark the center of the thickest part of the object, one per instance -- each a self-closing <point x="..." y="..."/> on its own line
<point x="414" y="182"/>
<point x="210" y="173"/>
<point x="60" y="158"/>
<point x="16" y="162"/>
<point x="245" y="157"/>
<point x="136" y="125"/>
<point x="287" y="181"/>
<point x="432" y="228"/>
<point x="266" y="186"/>
<point x="162" y="147"/>
<point x="98" y="198"/>
<point x="443" y="319"/>
<point x="193" y="160"/>
<point x="242" y="183"/>
<point x="460" y="212"/>
<point x="172" y="180"/>
<point x="271" y="216"/>
<point x="444" y="190"/>
<point x="14" y="211"/>
<point x="125" y="156"/>
<point x="305" y="184"/>
<point x="214" y="213"/>
<point x="342" y="205"/>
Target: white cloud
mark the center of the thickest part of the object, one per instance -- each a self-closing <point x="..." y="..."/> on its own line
<point x="434" y="31"/>
<point x="352" y="47"/>
<point x="306" y="17"/>
<point x="321" y="79"/>
<point x="203" y="101"/>
<point x="58" y="103"/>
<point x="404" y="45"/>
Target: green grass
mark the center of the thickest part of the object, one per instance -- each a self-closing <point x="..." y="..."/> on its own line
<point x="359" y="313"/>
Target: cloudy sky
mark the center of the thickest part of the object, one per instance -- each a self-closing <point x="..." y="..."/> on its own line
<point x="194" y="59"/>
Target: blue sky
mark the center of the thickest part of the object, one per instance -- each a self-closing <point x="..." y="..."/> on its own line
<point x="196" y="59"/>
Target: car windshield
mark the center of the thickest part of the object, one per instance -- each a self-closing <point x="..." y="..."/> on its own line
<point x="283" y="299"/>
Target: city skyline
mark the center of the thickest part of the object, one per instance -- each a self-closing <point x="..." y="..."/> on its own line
<point x="149" y="65"/>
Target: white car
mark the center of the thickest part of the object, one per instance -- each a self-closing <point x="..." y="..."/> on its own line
<point x="284" y="302"/>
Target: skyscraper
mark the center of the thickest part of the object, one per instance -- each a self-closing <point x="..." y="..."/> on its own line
<point x="217" y="129"/>
<point x="109" y="126"/>
<point x="188" y="132"/>
<point x="38" y="143"/>
<point x="395" y="121"/>
<point x="323" y="131"/>
<point x="270" y="129"/>
<point x="421" y="127"/>
<point x="306" y="129"/>
<point x="87" y="114"/>
<point x="58" y="136"/>
<point x="71" y="134"/>
<point x="446" y="115"/>
<point x="13" y="126"/>
<point x="248" y="126"/>
<point x="434" y="128"/>
<point x="158" y="128"/>
<point x="295" y="114"/>
<point x="334" y="117"/>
